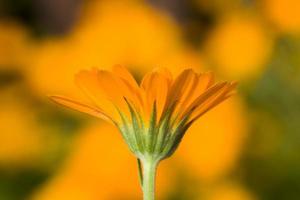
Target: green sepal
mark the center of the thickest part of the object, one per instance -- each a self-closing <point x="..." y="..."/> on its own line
<point x="152" y="129"/>
<point x="175" y="138"/>
<point x="136" y="129"/>
<point x="164" y="120"/>
<point x="126" y="133"/>
<point x="163" y="131"/>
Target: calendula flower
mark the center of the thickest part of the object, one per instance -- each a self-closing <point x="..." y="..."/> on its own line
<point x="243" y="35"/>
<point x="152" y="116"/>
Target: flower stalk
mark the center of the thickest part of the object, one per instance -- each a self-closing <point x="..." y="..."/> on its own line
<point x="148" y="179"/>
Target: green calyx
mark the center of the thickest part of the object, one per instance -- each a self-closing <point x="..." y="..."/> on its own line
<point x="157" y="139"/>
<point x="152" y="141"/>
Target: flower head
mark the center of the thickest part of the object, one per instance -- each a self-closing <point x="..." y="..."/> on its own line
<point x="154" y="115"/>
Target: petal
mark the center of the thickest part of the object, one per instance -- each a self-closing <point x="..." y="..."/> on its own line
<point x="116" y="91"/>
<point x="123" y="73"/>
<point x="205" y="81"/>
<point x="157" y="92"/>
<point x="145" y="83"/>
<point x="198" y="86"/>
<point x="210" y="93"/>
<point x="214" y="100"/>
<point x="156" y="86"/>
<point x="81" y="107"/>
<point x="179" y="86"/>
<point x="166" y="73"/>
<point x="188" y="91"/>
<point x="87" y="81"/>
<point x="160" y="84"/>
<point x="130" y="82"/>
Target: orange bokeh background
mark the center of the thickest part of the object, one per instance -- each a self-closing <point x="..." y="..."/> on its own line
<point x="48" y="152"/>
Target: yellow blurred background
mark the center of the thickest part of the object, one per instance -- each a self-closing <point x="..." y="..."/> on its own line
<point x="245" y="149"/>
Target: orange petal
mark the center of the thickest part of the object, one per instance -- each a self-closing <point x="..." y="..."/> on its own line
<point x="116" y="90"/>
<point x="145" y="83"/>
<point x="131" y="83"/>
<point x="166" y="73"/>
<point x="156" y="86"/>
<point x="200" y="85"/>
<point x="157" y="91"/>
<point x="123" y="73"/>
<point x="188" y="91"/>
<point x="148" y="93"/>
<point x="87" y="81"/>
<point x="205" y="81"/>
<point x="179" y="86"/>
<point x="81" y="107"/>
<point x="217" y="98"/>
<point x="204" y="97"/>
<point x="162" y="90"/>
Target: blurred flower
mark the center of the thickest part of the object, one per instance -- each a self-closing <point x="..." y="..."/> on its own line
<point x="109" y="32"/>
<point x="228" y="191"/>
<point x="21" y="143"/>
<point x="15" y="45"/>
<point x="25" y="142"/>
<point x="284" y="14"/>
<point x="213" y="144"/>
<point x="87" y="175"/>
<point x="128" y="30"/>
<point x="239" y="47"/>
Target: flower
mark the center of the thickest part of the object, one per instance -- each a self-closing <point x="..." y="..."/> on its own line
<point x="153" y="116"/>
<point x="240" y="46"/>
<point x="284" y="14"/>
<point x="23" y="145"/>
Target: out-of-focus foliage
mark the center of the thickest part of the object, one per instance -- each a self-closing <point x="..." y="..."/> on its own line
<point x="245" y="149"/>
<point x="275" y="142"/>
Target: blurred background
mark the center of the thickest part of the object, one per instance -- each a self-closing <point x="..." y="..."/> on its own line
<point x="245" y="149"/>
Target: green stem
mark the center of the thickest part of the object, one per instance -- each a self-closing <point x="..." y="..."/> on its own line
<point x="149" y="174"/>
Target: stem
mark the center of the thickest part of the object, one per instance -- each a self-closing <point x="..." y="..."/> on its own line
<point x="149" y="173"/>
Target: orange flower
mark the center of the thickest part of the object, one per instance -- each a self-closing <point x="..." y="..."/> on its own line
<point x="153" y="116"/>
<point x="284" y="14"/>
<point x="240" y="46"/>
<point x="159" y="102"/>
